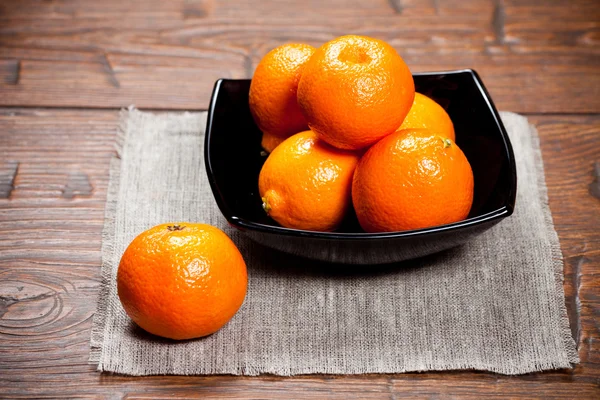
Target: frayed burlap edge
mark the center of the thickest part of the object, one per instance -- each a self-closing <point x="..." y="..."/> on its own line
<point x="557" y="257"/>
<point x="99" y="321"/>
<point x="108" y="235"/>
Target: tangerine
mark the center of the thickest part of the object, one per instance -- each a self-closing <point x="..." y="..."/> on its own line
<point x="355" y="90"/>
<point x="306" y="183"/>
<point x="181" y="281"/>
<point x="412" y="179"/>
<point x="425" y="113"/>
<point x="272" y="96"/>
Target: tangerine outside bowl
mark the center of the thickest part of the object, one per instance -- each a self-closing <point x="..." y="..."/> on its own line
<point x="234" y="157"/>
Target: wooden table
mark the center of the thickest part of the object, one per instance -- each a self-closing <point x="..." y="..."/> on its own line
<point x="66" y="67"/>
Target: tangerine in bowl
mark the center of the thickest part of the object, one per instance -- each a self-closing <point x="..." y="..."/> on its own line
<point x="232" y="134"/>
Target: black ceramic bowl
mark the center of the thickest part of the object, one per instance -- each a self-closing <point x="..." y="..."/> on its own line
<point x="234" y="157"/>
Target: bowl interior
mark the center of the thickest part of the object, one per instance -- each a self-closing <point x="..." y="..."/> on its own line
<point x="234" y="156"/>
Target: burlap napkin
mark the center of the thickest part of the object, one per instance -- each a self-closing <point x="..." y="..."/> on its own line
<point x="494" y="304"/>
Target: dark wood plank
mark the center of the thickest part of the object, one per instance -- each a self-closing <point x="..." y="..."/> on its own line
<point x="167" y="55"/>
<point x="50" y="232"/>
<point x="571" y="156"/>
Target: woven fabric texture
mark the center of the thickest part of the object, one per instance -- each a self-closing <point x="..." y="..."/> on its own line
<point x="494" y="304"/>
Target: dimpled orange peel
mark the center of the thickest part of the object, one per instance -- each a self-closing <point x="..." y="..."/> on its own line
<point x="182" y="280"/>
<point x="412" y="179"/>
<point x="306" y="183"/>
<point x="272" y="96"/>
<point x="355" y="90"/>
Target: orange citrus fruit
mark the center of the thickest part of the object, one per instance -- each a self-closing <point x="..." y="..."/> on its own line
<point x="306" y="184"/>
<point x="355" y="90"/>
<point x="412" y="179"/>
<point x="273" y="90"/>
<point x="427" y="114"/>
<point x="182" y="281"/>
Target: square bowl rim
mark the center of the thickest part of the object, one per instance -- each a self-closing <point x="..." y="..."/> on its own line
<point x="244" y="224"/>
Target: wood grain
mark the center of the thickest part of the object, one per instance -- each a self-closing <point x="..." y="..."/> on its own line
<point x="536" y="57"/>
<point x="167" y="55"/>
<point x="50" y="234"/>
